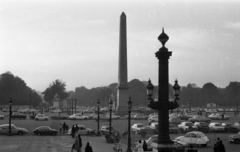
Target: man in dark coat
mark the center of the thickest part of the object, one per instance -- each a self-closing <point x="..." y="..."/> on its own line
<point x="88" y="148"/>
<point x="73" y="131"/>
<point x="221" y="147"/>
<point x="64" y="127"/>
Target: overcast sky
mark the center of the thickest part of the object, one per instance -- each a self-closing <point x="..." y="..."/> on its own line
<point x="78" y="41"/>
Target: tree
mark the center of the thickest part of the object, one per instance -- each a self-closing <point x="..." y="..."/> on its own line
<point x="58" y="87"/>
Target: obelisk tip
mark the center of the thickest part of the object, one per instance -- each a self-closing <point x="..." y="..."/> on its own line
<point x="123" y="14"/>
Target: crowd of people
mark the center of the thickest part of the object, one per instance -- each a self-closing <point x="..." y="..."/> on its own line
<point x="63" y="128"/>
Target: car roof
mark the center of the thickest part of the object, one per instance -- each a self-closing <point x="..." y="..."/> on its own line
<point x="42" y="127"/>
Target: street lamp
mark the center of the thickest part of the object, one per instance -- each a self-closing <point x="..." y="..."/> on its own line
<point x="10" y="117"/>
<point x="110" y="119"/>
<point x="75" y="105"/>
<point x="129" y="124"/>
<point x="98" y="118"/>
<point x="190" y="104"/>
<point x="163" y="142"/>
<point x="72" y="106"/>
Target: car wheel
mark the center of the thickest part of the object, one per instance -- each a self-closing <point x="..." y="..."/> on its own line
<point x="20" y="133"/>
<point x="237" y="141"/>
<point x="37" y="119"/>
<point x="2" y="118"/>
<point x="85" y="118"/>
<point x="46" y="119"/>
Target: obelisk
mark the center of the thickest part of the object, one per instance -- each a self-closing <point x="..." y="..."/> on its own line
<point x="122" y="92"/>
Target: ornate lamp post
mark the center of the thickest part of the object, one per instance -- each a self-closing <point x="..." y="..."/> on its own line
<point x="129" y="125"/>
<point x="75" y="105"/>
<point x="98" y="118"/>
<point x="10" y="117"/>
<point x="72" y="106"/>
<point x="163" y="143"/>
<point x="190" y="104"/>
<point x="110" y="119"/>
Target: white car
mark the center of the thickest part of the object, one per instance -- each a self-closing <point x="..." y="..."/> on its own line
<point x="137" y="127"/>
<point x="113" y="116"/>
<point x="56" y="111"/>
<point x="41" y="117"/>
<point x="216" y="126"/>
<point x="2" y="117"/>
<point x="78" y="116"/>
<point x="194" y="138"/>
<point x="187" y="126"/>
<point x="219" y="116"/>
<point x="153" y="125"/>
<point x="153" y="118"/>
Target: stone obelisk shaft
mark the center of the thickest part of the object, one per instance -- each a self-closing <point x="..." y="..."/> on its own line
<point x="122" y="92"/>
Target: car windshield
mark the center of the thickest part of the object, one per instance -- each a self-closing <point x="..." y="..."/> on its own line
<point x="201" y="134"/>
<point x="188" y="124"/>
<point x="218" y="125"/>
<point x="140" y="125"/>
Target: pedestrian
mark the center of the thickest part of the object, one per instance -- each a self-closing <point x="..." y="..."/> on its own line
<point x="73" y="131"/>
<point x="88" y="148"/>
<point x="222" y="116"/>
<point x="218" y="144"/>
<point x="145" y="147"/>
<point x="60" y="128"/>
<point x="76" y="128"/>
<point x="215" y="148"/>
<point x="64" y="127"/>
<point x="140" y="146"/>
<point x="78" y="143"/>
<point x="221" y="147"/>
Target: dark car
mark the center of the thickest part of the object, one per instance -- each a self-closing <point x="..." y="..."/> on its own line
<point x="18" y="116"/>
<point x="202" y="126"/>
<point x="45" y="130"/>
<point x="184" y="117"/>
<point x="234" y="138"/>
<point x="105" y="129"/>
<point x="229" y="127"/>
<point x="61" y="117"/>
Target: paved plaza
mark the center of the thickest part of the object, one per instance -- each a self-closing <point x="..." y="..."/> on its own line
<point x="51" y="144"/>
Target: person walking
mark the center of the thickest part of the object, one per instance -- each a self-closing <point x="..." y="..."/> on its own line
<point x="67" y="128"/>
<point x="78" y="143"/>
<point x="88" y="148"/>
<point x="76" y="128"/>
<point x="64" y="127"/>
<point x="145" y="147"/>
<point x="73" y="131"/>
<point x="60" y="128"/>
<point x="140" y="146"/>
<point x="221" y="147"/>
<point x="215" y="148"/>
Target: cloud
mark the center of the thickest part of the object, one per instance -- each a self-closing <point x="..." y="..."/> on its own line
<point x="96" y="22"/>
<point x="233" y="25"/>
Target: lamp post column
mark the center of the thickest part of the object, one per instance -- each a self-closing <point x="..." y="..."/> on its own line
<point x="110" y="119"/>
<point x="72" y="106"/>
<point x="98" y="118"/>
<point x="129" y="125"/>
<point x="75" y="105"/>
<point x="10" y="118"/>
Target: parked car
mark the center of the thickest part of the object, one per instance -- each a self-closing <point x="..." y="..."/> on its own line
<point x="82" y="130"/>
<point x="4" y="130"/>
<point x="105" y="129"/>
<point x="41" y="117"/>
<point x="216" y="126"/>
<point x="218" y="116"/>
<point x="93" y="116"/>
<point x="19" y="116"/>
<point x="1" y="117"/>
<point x="199" y="119"/>
<point x="139" y="116"/>
<point x="187" y="126"/>
<point x="180" y="146"/>
<point x="4" y="110"/>
<point x="237" y="125"/>
<point x="56" y="111"/>
<point x="202" y="126"/>
<point x="153" y="125"/>
<point x="153" y="118"/>
<point x="114" y="116"/>
<point x="45" y="130"/>
<point x="173" y="129"/>
<point x="137" y="127"/>
<point x="229" y="127"/>
<point x="61" y="117"/>
<point x="78" y="116"/>
<point x="175" y="120"/>
<point x="195" y="138"/>
<point x="184" y="117"/>
<point x="234" y="138"/>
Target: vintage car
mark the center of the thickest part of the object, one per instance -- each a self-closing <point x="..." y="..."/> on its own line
<point x="19" y="116"/>
<point x="234" y="138"/>
<point x="198" y="118"/>
<point x="82" y="130"/>
<point x="41" y="117"/>
<point x="2" y="117"/>
<point x="173" y="129"/>
<point x="78" y="116"/>
<point x="105" y="129"/>
<point x="195" y="138"/>
<point x="218" y="116"/>
<point x="216" y="126"/>
<point x="180" y="146"/>
<point x="229" y="127"/>
<point x="137" y="127"/>
<point x="153" y="118"/>
<point x="153" y="125"/>
<point x="202" y="126"/>
<point x="60" y="117"/>
<point x="187" y="126"/>
<point x="4" y="130"/>
<point x="113" y="116"/>
<point x="175" y="120"/>
<point x="184" y="117"/>
<point x="45" y="130"/>
<point x="139" y="116"/>
<point x="237" y="125"/>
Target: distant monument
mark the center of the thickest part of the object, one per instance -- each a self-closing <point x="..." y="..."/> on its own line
<point x="122" y="92"/>
<point x="56" y="101"/>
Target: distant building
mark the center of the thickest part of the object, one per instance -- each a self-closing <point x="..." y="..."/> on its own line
<point x="211" y="105"/>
